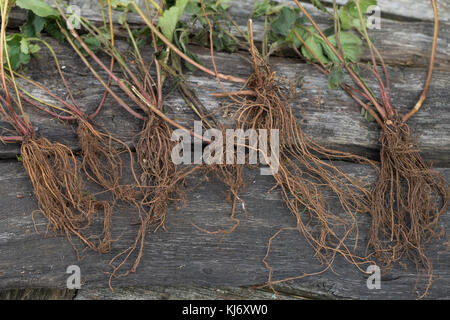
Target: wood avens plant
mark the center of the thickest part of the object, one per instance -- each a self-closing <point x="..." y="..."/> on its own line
<point x="409" y="196"/>
<point x="142" y="82"/>
<point x="54" y="170"/>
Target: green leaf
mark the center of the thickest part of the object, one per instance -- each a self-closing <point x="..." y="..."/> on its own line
<point x="336" y="77"/>
<point x="349" y="14"/>
<point x="17" y="57"/>
<point x="292" y="38"/>
<point x="223" y="42"/>
<point x="367" y="115"/>
<point x="284" y="22"/>
<point x="319" y="5"/>
<point x="168" y="21"/>
<point x="33" y="48"/>
<point x="24" y="46"/>
<point x="33" y="26"/>
<point x="182" y="42"/>
<point x="262" y="8"/>
<point x="140" y="36"/>
<point x="314" y="43"/>
<point x="93" y="43"/>
<point x="28" y="48"/>
<point x="39" y="7"/>
<point x="193" y="7"/>
<point x="351" y="44"/>
<point x="52" y="28"/>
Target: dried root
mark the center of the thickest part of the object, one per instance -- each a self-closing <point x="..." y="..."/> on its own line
<point x="159" y="173"/>
<point x="408" y="200"/>
<point x="102" y="161"/>
<point x="303" y="176"/>
<point x="56" y="177"/>
<point x="162" y="183"/>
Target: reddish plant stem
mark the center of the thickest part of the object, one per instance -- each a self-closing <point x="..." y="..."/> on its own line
<point x="431" y="68"/>
<point x="119" y="82"/>
<point x="355" y="78"/>
<point x="73" y="109"/>
<point x="383" y="91"/>
<point x="21" y="126"/>
<point x="53" y="114"/>
<point x="346" y="87"/>
<point x="105" y="95"/>
<point x="181" y="54"/>
<point x="127" y="91"/>
<point x="12" y="139"/>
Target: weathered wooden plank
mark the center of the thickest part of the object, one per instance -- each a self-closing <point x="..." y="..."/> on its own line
<point x="400" y="42"/>
<point x="41" y="262"/>
<point x="186" y="256"/>
<point x="419" y="9"/>
<point x="284" y="292"/>
<point x="182" y="293"/>
<point x="330" y="116"/>
<point x="37" y="294"/>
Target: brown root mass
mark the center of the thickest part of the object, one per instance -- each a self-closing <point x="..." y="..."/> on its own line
<point x="56" y="177"/>
<point x="102" y="161"/>
<point x="303" y="176"/>
<point x="161" y="183"/>
<point x="159" y="173"/>
<point x="408" y="200"/>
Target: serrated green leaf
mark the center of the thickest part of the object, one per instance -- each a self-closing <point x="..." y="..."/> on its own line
<point x="182" y="42"/>
<point x="315" y="45"/>
<point x="351" y="44"/>
<point x="284" y="22"/>
<point x="367" y="115"/>
<point x="263" y="8"/>
<point x="33" y="48"/>
<point x="349" y="14"/>
<point x="52" y="28"/>
<point x="33" y="26"/>
<point x="336" y="77"/>
<point x="292" y="37"/>
<point x="24" y="46"/>
<point x="16" y="56"/>
<point x="193" y="7"/>
<point x="93" y="43"/>
<point x="223" y="42"/>
<point x="39" y="7"/>
<point x="168" y="21"/>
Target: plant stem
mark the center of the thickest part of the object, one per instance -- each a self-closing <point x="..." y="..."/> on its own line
<point x="349" y="70"/>
<point x="181" y="54"/>
<point x="430" y="71"/>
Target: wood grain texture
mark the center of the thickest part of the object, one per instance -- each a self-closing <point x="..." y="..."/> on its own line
<point x="184" y="255"/>
<point x="398" y="9"/>
<point x="402" y="9"/>
<point x="401" y="42"/>
<point x="184" y="263"/>
<point x="330" y="116"/>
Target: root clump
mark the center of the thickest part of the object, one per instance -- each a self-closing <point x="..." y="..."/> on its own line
<point x="408" y="200"/>
<point x="56" y="177"/>
<point x="303" y="176"/>
<point x="102" y="161"/>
